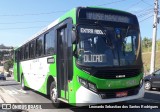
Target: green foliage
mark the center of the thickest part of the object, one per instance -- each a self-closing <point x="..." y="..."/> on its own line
<point x="146" y="48"/>
<point x="8" y="64"/>
<point x="146" y="44"/>
<point x="128" y="47"/>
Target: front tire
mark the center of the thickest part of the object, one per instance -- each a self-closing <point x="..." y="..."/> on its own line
<point x="54" y="95"/>
<point x="148" y="85"/>
<point x="22" y="83"/>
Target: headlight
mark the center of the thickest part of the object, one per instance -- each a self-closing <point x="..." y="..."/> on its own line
<point x="83" y="82"/>
<point x="92" y="87"/>
<point x="87" y="84"/>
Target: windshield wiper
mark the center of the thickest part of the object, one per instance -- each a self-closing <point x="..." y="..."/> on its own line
<point x="110" y="44"/>
<point x="127" y="30"/>
<point x="124" y="43"/>
<point x="106" y="39"/>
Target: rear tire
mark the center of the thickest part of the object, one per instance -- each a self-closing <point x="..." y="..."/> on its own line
<point x="54" y="95"/>
<point x="22" y="83"/>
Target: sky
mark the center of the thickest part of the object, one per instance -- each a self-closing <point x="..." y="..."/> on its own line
<point x="21" y="19"/>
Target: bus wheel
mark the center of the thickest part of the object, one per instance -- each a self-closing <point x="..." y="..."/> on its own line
<point x="22" y="83"/>
<point x="54" y="95"/>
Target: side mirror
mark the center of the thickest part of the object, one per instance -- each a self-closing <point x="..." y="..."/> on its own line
<point x="73" y="37"/>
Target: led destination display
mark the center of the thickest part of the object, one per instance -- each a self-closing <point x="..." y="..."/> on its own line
<point x="107" y="17"/>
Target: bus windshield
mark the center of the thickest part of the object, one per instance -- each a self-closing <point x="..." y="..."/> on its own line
<point x="116" y="47"/>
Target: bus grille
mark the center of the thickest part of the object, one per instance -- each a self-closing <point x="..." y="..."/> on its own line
<point x="117" y="74"/>
<point x="106" y="94"/>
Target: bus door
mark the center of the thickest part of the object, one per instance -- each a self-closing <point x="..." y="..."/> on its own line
<point x="63" y="59"/>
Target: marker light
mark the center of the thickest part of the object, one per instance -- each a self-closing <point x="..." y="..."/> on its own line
<point x="83" y="82"/>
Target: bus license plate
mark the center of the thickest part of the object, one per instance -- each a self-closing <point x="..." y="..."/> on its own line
<point x="121" y="94"/>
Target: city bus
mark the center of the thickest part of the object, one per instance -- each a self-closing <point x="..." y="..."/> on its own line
<point x="88" y="55"/>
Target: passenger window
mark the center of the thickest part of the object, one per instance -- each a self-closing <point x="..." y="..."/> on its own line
<point x="49" y="43"/>
<point x="16" y="55"/>
<point x="40" y="46"/>
<point x="32" y="49"/>
<point x="26" y="52"/>
<point x="21" y="53"/>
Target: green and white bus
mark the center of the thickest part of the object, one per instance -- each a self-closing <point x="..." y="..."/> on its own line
<point x="89" y="55"/>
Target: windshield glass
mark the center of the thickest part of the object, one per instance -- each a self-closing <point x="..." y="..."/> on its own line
<point x="112" y="47"/>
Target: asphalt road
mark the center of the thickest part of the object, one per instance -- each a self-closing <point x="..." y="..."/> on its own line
<point x="11" y="92"/>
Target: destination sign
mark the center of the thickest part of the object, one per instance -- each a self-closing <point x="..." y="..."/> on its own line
<point x="99" y="58"/>
<point x="107" y="17"/>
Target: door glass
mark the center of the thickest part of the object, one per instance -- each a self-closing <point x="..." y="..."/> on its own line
<point x="62" y="54"/>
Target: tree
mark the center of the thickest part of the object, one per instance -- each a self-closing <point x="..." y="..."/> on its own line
<point x="146" y="43"/>
<point x="8" y="64"/>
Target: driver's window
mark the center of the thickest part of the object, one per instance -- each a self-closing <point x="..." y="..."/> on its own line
<point x="128" y="44"/>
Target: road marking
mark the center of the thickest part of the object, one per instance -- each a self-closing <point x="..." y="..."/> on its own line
<point x="22" y="91"/>
<point x="9" y="96"/>
<point x="149" y="100"/>
<point x="11" y="92"/>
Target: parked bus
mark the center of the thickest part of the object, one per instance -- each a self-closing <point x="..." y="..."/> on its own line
<point x="89" y="55"/>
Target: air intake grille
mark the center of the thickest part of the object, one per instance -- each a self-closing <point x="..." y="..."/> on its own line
<point x="117" y="74"/>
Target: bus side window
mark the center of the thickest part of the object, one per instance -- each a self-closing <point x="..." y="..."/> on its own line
<point x="49" y="42"/>
<point x="22" y="53"/>
<point x="16" y="55"/>
<point x="26" y="52"/>
<point x="32" y="49"/>
<point x="40" y="46"/>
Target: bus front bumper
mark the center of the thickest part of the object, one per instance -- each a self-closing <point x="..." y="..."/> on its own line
<point x="86" y="97"/>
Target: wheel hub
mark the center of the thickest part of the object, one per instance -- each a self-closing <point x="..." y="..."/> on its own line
<point x="147" y="86"/>
<point x="54" y="94"/>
